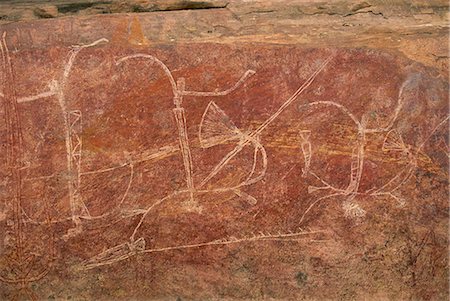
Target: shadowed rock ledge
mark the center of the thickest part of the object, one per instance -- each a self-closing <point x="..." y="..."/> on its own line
<point x="419" y="29"/>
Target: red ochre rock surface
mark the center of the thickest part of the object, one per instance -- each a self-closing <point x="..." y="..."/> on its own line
<point x="205" y="171"/>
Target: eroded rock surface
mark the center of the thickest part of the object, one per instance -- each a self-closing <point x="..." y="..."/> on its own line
<point x="213" y="171"/>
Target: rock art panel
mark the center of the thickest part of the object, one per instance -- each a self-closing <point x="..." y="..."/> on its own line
<point x="214" y="171"/>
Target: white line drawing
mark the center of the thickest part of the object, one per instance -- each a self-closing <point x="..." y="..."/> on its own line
<point x="127" y="250"/>
<point x="20" y="260"/>
<point x="215" y="128"/>
<point x="215" y="125"/>
<point x="72" y="125"/>
<point x="80" y="212"/>
<point x="116" y="254"/>
<point x="393" y="141"/>
<point x="353" y="210"/>
<point x="75" y="128"/>
<point x="179" y="90"/>
<point x="78" y="208"/>
<point x="306" y="150"/>
<point x="250" y="138"/>
<point x="389" y="189"/>
<point x="357" y="164"/>
<point x="36" y="97"/>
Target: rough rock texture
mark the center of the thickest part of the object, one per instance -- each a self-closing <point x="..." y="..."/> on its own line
<point x="224" y="151"/>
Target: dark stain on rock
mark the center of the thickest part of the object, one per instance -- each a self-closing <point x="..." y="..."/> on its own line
<point x="302" y="278"/>
<point x="76" y="7"/>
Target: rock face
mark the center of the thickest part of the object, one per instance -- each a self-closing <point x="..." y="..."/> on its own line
<point x="137" y="168"/>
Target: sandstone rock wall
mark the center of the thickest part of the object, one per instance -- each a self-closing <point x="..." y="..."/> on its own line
<point x="224" y="150"/>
